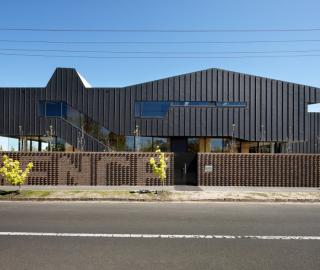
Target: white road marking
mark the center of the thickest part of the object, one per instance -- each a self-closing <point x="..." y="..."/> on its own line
<point x="163" y="236"/>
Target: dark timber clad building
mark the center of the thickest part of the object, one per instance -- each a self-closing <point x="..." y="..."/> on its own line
<point x="212" y="110"/>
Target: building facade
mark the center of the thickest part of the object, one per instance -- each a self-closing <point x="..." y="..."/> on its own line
<point x="212" y="110"/>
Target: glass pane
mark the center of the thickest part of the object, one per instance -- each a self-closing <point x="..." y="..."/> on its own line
<point x="35" y="145"/>
<point x="216" y="145"/>
<point x="44" y="144"/>
<point x="231" y="104"/>
<point x="163" y="143"/>
<point x="230" y="146"/>
<point x="193" y="145"/>
<point x="73" y="116"/>
<point x="13" y="144"/>
<point x="144" y="144"/>
<point x="154" y="109"/>
<point x="104" y="135"/>
<point x="192" y="103"/>
<point x="53" y="109"/>
<point x="130" y="143"/>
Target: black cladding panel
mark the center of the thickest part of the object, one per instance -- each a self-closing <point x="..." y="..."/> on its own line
<point x="275" y="111"/>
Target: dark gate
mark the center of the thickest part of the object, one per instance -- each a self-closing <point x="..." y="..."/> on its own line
<point x="185" y="163"/>
<point x="185" y="168"/>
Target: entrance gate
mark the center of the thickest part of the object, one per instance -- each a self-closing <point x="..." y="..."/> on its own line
<point x="185" y="163"/>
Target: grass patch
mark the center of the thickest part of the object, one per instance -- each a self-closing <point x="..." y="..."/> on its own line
<point x="83" y="194"/>
<point x="35" y="193"/>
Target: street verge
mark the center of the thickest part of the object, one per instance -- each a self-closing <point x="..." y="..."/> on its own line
<point x="159" y="196"/>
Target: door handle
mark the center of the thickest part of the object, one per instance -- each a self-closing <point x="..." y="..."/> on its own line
<point x="185" y="168"/>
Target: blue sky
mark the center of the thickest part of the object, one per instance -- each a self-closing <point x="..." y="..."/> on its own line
<point x="165" y="14"/>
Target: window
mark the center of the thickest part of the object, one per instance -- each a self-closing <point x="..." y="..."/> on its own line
<point x="193" y="145"/>
<point x="151" y="109"/>
<point x="74" y="117"/>
<point x="192" y="103"/>
<point x="52" y="109"/>
<point x="216" y="145"/>
<point x="163" y="144"/>
<point x="236" y="104"/>
<point x="314" y="108"/>
<point x="159" y="109"/>
<point x="144" y="144"/>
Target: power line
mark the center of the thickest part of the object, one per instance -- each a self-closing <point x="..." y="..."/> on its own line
<point x="216" y="30"/>
<point x="160" y="52"/>
<point x="162" y="42"/>
<point x="161" y="57"/>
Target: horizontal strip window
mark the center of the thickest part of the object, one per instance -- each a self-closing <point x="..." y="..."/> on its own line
<point x="234" y="104"/>
<point x="159" y="109"/>
<point x="193" y="103"/>
<point x="314" y="108"/>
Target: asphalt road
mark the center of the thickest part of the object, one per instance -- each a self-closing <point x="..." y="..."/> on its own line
<point x="85" y="236"/>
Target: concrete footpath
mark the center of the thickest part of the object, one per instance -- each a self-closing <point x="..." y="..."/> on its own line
<point x="156" y="193"/>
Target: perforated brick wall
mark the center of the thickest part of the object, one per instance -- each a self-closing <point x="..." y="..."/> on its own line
<point x="267" y="170"/>
<point x="87" y="168"/>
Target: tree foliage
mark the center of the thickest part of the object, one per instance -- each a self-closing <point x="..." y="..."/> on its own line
<point x="159" y="165"/>
<point x="12" y="172"/>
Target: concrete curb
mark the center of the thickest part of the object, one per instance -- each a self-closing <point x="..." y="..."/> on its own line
<point x="158" y="200"/>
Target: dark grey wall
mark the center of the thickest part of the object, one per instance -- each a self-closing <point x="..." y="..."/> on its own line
<point x="281" y="107"/>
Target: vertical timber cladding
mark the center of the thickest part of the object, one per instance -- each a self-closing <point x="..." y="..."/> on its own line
<point x="268" y="170"/>
<point x="85" y="168"/>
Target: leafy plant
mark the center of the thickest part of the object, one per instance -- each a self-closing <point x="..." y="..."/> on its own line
<point x="159" y="165"/>
<point x="12" y="172"/>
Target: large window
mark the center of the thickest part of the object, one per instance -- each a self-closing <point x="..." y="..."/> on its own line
<point x="163" y="144"/>
<point x="144" y="144"/>
<point x="192" y="103"/>
<point x="74" y="117"/>
<point x="193" y="145"/>
<point x="159" y="109"/>
<point x="151" y="109"/>
<point x="232" y="104"/>
<point x="226" y="145"/>
<point x="52" y="109"/>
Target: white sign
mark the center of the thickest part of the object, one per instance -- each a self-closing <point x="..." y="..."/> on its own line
<point x="208" y="168"/>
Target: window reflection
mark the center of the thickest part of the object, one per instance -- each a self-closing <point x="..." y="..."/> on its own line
<point x="144" y="144"/>
<point x="193" y="145"/>
<point x="151" y="109"/>
<point x="222" y="145"/>
<point x="114" y="141"/>
<point x="163" y="144"/>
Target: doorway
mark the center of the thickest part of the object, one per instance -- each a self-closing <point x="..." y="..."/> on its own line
<point x="185" y="162"/>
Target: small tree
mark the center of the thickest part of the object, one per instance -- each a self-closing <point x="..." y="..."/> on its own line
<point x="12" y="172"/>
<point x="159" y="165"/>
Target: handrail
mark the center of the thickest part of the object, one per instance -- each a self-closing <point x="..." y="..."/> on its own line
<point x="107" y="147"/>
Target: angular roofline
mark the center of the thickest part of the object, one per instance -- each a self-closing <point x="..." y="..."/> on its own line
<point x="86" y="84"/>
<point x="225" y="70"/>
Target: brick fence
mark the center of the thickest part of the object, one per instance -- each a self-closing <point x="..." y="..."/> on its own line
<point x="87" y="168"/>
<point x="268" y="170"/>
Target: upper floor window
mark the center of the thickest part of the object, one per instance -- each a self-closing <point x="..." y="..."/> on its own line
<point x="314" y="108"/>
<point x="192" y="103"/>
<point x="151" y="109"/>
<point x="235" y="104"/>
<point x="158" y="109"/>
<point x="52" y="109"/>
